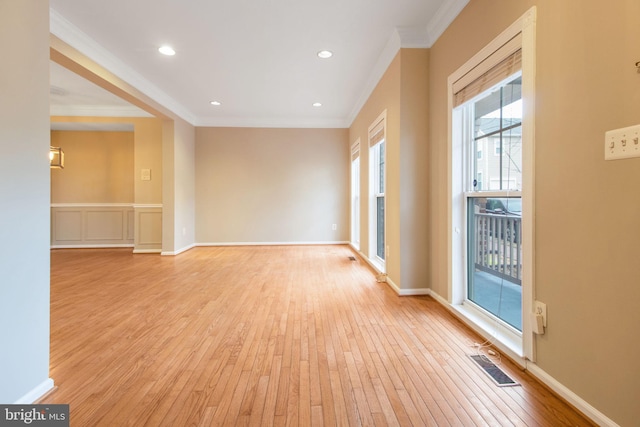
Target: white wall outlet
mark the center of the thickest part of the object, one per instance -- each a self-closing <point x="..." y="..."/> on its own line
<point x="541" y="310"/>
<point x="334" y="227"/>
<point x="622" y="143"/>
<point x="145" y="175"/>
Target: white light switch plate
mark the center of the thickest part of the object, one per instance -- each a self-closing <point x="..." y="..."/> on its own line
<point x="622" y="143"/>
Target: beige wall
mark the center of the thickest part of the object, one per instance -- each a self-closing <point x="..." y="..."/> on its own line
<point x="586" y="210"/>
<point x="81" y="185"/>
<point x="385" y="96"/>
<point x="178" y="186"/>
<point x="98" y="167"/>
<point x="271" y="185"/>
<point x="403" y="93"/>
<point x="413" y="168"/>
<point x="24" y="186"/>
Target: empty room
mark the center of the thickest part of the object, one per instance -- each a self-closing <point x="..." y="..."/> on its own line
<point x="416" y="212"/>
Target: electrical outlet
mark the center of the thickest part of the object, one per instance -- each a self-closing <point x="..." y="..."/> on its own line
<point x="541" y="309"/>
<point x="622" y="143"/>
<point x="334" y="227"/>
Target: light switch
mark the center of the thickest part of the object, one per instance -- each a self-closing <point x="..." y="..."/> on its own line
<point x="622" y="143"/>
<point x="145" y="174"/>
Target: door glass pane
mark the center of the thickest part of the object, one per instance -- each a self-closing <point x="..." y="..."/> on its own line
<point x="494" y="238"/>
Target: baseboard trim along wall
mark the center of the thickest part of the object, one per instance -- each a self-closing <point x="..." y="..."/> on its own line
<point x="92" y="246"/>
<point x="147" y="251"/>
<point x="179" y="251"/>
<point x="36" y="393"/>
<point x="391" y="283"/>
<point x="573" y="399"/>
<point x="269" y="243"/>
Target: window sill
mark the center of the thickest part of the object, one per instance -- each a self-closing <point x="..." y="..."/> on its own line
<point x="501" y="337"/>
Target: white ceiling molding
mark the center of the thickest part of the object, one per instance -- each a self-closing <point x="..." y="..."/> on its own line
<point x="384" y="60"/>
<point x="273" y="123"/>
<point x="408" y="37"/>
<point x="97" y="111"/>
<point x="92" y="127"/>
<point x="414" y="37"/>
<point x="70" y="34"/>
<point x="443" y="18"/>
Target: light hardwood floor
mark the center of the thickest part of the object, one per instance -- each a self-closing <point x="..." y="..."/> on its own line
<point x="282" y="335"/>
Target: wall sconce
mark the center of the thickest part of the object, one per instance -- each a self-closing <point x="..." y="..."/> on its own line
<point x="56" y="157"/>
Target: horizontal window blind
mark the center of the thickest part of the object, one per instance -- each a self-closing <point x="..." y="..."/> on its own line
<point x="355" y="150"/>
<point x="376" y="133"/>
<point x="498" y="66"/>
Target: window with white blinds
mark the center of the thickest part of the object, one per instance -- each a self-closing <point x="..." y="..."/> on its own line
<point x="503" y="63"/>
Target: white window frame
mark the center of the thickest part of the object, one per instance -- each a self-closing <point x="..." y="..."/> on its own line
<point x="355" y="194"/>
<point x="379" y="125"/>
<point x="457" y="262"/>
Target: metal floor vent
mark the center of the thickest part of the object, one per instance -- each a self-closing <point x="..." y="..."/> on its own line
<point x="352" y="258"/>
<point x="500" y="378"/>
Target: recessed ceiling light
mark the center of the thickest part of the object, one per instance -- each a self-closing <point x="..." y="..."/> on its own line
<point x="324" y="54"/>
<point x="215" y="103"/>
<point x="167" y="50"/>
<point x="317" y="104"/>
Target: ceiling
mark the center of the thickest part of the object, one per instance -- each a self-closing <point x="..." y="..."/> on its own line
<point x="258" y="58"/>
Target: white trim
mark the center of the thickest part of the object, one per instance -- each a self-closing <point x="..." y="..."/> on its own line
<point x="203" y="244"/>
<point x="36" y="393"/>
<point x="97" y="111"/>
<point x="485" y="329"/>
<point x="105" y="246"/>
<point x="92" y="205"/>
<point x="70" y="34"/>
<point x="443" y="17"/>
<point x="579" y="403"/>
<point x="525" y="26"/>
<point x="266" y="122"/>
<point x="561" y="390"/>
<point x="148" y="206"/>
<point x="179" y="251"/>
<point x="147" y="251"/>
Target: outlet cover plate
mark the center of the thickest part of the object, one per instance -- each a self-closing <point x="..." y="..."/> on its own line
<point x="541" y="308"/>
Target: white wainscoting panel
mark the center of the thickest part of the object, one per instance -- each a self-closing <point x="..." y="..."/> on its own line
<point x="75" y="225"/>
<point x="148" y="229"/>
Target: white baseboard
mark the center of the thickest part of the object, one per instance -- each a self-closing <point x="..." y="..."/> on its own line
<point x="108" y="246"/>
<point x="270" y="243"/>
<point x="147" y="251"/>
<point x="561" y="390"/>
<point x="179" y="251"/>
<point x="580" y="404"/>
<point x="36" y="393"/>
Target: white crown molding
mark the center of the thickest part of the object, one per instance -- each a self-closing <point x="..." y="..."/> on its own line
<point x="272" y="123"/>
<point x="380" y="67"/>
<point x="413" y="37"/>
<point x="443" y="17"/>
<point x="75" y="38"/>
<point x="97" y="111"/>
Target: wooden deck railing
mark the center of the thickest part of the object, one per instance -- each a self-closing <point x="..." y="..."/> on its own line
<point x="498" y="245"/>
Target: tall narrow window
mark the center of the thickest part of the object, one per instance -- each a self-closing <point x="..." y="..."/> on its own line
<point x="494" y="208"/>
<point x="492" y="98"/>
<point x="355" y="194"/>
<point x="377" y="192"/>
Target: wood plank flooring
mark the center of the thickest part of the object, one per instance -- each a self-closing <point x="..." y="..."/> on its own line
<point x="282" y="335"/>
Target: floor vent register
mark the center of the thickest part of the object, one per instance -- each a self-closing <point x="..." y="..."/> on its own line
<point x="495" y="373"/>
